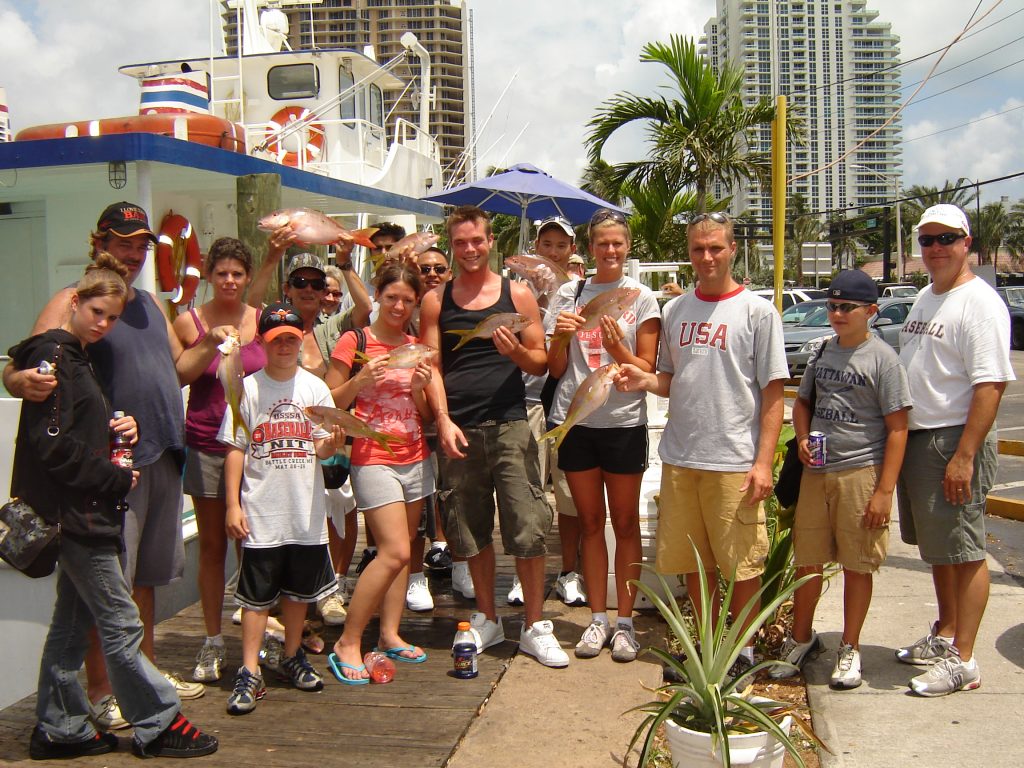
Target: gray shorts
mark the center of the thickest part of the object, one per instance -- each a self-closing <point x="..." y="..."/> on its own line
<point x="204" y="474"/>
<point x="154" y="552"/>
<point x="945" y="534"/>
<point x="501" y="459"/>
<point x="375" y="485"/>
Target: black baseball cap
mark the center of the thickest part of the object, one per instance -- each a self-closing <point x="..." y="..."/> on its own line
<point x="279" y="318"/>
<point x="125" y="220"/>
<point x="853" y="285"/>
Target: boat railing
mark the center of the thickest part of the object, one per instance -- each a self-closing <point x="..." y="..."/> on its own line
<point x="408" y="134"/>
<point x="362" y="145"/>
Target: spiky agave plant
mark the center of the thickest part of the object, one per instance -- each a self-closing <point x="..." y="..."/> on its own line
<point x="708" y="699"/>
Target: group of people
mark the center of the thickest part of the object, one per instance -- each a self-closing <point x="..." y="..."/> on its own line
<point x="922" y="422"/>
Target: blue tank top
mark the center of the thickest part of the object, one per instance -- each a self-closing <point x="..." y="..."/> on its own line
<point x="481" y="383"/>
<point x="133" y="363"/>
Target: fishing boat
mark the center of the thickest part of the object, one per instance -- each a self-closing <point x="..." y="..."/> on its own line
<point x="313" y="118"/>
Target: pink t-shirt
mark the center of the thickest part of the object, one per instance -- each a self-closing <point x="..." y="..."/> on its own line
<point x="386" y="407"/>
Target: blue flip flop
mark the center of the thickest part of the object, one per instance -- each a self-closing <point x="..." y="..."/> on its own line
<point x="396" y="654"/>
<point x="335" y="664"/>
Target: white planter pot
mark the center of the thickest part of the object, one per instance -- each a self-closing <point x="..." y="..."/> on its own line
<point x="693" y="749"/>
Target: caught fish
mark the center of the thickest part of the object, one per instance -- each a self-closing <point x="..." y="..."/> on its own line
<point x="405" y="356"/>
<point x="415" y="243"/>
<point x="543" y="275"/>
<point x="591" y="395"/>
<point x="230" y="374"/>
<point x="314" y="228"/>
<point x="485" y="329"/>
<point x="613" y="303"/>
<point x="335" y="417"/>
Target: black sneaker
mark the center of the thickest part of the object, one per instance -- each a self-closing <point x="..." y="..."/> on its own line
<point x="669" y="674"/>
<point x="179" y="739"/>
<point x="300" y="672"/>
<point x="438" y="561"/>
<point x="368" y="555"/>
<point x="42" y="747"/>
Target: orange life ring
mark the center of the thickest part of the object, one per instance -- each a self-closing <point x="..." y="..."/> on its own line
<point x="313" y="134"/>
<point x="178" y="260"/>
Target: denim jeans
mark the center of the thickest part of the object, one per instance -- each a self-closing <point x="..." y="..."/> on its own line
<point x="91" y="590"/>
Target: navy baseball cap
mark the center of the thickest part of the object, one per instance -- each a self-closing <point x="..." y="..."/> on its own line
<point x="853" y="285"/>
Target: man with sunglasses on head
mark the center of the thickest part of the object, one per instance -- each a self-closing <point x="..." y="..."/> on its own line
<point x="722" y="364"/>
<point x="955" y="345"/>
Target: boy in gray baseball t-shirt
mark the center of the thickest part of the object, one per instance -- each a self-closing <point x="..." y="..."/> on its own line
<point x="856" y="393"/>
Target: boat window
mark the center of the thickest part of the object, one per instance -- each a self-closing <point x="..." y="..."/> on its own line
<point x="347" y="107"/>
<point x="376" y="106"/>
<point x="293" y="81"/>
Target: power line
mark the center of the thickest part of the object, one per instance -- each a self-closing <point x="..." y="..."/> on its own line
<point x="964" y="125"/>
<point x="964" y="63"/>
<point x="961" y="85"/>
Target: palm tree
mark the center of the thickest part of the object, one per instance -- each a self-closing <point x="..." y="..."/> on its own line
<point x="988" y="230"/>
<point x="1014" y="240"/>
<point x="598" y="179"/>
<point x="697" y="138"/>
<point x="957" y="193"/>
<point x="655" y="223"/>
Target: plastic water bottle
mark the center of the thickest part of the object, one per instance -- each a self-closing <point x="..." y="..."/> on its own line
<point x="121" y="454"/>
<point x="380" y="667"/>
<point x="464" y="653"/>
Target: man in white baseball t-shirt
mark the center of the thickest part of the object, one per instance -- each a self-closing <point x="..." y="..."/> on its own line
<point x="955" y="345"/>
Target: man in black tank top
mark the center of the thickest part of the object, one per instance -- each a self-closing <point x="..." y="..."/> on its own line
<point x="486" y="444"/>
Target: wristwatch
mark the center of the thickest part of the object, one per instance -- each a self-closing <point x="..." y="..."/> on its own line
<point x="346" y="267"/>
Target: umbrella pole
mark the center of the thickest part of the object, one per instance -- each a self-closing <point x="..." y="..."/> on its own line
<point x="524" y="226"/>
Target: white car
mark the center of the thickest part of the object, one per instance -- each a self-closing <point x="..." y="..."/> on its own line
<point x="791" y="296"/>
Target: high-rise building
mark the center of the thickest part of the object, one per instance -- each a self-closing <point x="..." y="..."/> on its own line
<point x="444" y="27"/>
<point x="835" y="63"/>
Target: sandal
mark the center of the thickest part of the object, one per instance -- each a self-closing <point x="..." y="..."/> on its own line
<point x="336" y="665"/>
<point x="311" y="641"/>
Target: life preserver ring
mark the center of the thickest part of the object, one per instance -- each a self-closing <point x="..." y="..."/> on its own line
<point x="178" y="260"/>
<point x="313" y="134"/>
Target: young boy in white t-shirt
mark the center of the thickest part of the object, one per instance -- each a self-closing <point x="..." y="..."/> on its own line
<point x="856" y="393"/>
<point x="275" y="504"/>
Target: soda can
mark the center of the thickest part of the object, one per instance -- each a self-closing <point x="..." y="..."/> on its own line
<point x="816" y="445"/>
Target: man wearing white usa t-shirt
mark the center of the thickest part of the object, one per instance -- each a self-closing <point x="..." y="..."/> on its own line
<point x="955" y="345"/>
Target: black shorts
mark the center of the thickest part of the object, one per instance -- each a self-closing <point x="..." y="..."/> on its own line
<point x="617" y="450"/>
<point x="301" y="572"/>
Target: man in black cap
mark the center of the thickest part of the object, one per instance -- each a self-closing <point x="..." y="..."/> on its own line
<point x="136" y="364"/>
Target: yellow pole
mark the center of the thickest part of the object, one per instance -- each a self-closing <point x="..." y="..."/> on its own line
<point x="779" y="195"/>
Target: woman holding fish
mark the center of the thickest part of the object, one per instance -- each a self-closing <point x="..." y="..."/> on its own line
<point x="603" y="432"/>
<point x="227" y="319"/>
<point x="391" y="469"/>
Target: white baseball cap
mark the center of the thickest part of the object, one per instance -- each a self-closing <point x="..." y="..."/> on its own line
<point x="557" y="221"/>
<point x="948" y="216"/>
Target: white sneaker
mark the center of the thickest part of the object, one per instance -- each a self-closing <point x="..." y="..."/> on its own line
<point x="185" y="689"/>
<point x="208" y="663"/>
<point x="624" y="645"/>
<point x="417" y="596"/>
<point x="792" y="656"/>
<point x="236" y="617"/>
<point x="107" y="715"/>
<point x="462" y="582"/>
<point x="847" y="670"/>
<point x="570" y="589"/>
<point x="515" y="595"/>
<point x="485" y="633"/>
<point x="595" y="637"/>
<point x="332" y="609"/>
<point x="540" y="642"/>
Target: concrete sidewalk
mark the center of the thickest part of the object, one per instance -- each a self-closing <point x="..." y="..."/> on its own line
<point x="881" y="723"/>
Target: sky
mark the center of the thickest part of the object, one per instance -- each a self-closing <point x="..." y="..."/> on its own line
<point x="559" y="60"/>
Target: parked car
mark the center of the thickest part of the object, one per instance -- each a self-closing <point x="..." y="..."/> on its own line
<point x="900" y="290"/>
<point x="803" y="339"/>
<point x="791" y="296"/>
<point x="798" y="312"/>
<point x="1013" y="295"/>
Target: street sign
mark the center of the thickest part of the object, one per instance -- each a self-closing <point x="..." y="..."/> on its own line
<point x="816" y="259"/>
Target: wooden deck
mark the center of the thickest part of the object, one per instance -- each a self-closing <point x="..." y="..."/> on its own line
<point x="416" y="720"/>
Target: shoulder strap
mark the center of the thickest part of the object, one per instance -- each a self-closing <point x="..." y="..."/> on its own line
<point x="579" y="290"/>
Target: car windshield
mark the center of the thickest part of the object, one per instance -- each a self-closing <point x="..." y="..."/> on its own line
<point x="817" y="319"/>
<point x="798" y="312"/>
<point x="1015" y="297"/>
<point x="903" y="292"/>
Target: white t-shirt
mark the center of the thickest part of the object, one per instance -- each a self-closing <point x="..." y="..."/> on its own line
<point x="949" y="343"/>
<point x="722" y="352"/>
<point x="282" y="485"/>
<point x="587" y="354"/>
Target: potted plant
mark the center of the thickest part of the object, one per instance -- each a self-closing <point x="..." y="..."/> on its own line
<point x="707" y="715"/>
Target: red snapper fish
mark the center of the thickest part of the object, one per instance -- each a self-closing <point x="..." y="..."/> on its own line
<point x="330" y="417"/>
<point x="230" y="375"/>
<point x="414" y="243"/>
<point x="543" y="275"/>
<point x="613" y="303"/>
<point x="405" y="356"/>
<point x="314" y="228"/>
<point x="485" y="329"/>
<point x="592" y="394"/>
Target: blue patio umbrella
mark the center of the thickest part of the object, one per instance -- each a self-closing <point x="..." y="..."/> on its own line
<point x="528" y="192"/>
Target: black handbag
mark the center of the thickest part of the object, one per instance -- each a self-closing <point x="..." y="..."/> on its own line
<point x="787" y="488"/>
<point x="27" y="541"/>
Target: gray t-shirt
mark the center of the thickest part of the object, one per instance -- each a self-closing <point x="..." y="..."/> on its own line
<point x="856" y="388"/>
<point x="722" y="352"/>
<point x="587" y="354"/>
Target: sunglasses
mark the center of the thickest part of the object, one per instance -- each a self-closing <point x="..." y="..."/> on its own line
<point x="605" y="214"/>
<point x="316" y="283"/>
<point x="844" y="306"/>
<point x="946" y="238"/>
<point x="335" y="294"/>
<point x="718" y="218"/>
<point x="279" y="317"/>
<point x="439" y="269"/>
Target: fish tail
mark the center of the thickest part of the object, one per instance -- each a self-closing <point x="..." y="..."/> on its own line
<point x="465" y="336"/>
<point x="557" y="434"/>
<point x="361" y="357"/>
<point x="384" y="440"/>
<point x="362" y="237"/>
<point x="558" y="343"/>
